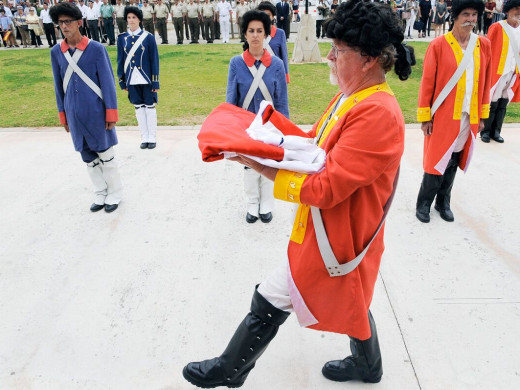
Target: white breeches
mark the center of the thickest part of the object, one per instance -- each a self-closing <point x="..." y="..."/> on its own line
<point x="147" y="121"/>
<point x="276" y="289"/>
<point x="224" y="29"/>
<point x="259" y="193"/>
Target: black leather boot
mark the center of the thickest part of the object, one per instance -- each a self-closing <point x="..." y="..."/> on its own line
<point x="442" y="202"/>
<point x="364" y="364"/>
<point x="489" y="124"/>
<point x="247" y="344"/>
<point x="429" y="187"/>
<point x="500" y="115"/>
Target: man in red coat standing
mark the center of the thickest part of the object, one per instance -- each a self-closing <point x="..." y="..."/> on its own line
<point x="453" y="103"/>
<point x="341" y="209"/>
<point x="505" y="41"/>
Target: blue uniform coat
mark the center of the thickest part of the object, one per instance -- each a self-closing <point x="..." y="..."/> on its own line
<point x="145" y="60"/>
<point x="240" y="79"/>
<point x="79" y="106"/>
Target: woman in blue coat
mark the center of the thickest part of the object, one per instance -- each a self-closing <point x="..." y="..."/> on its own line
<point x="138" y="72"/>
<point x="256" y="26"/>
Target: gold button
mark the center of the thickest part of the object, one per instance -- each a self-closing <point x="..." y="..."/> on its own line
<point x="292" y="184"/>
<point x="300" y="224"/>
<point x="291" y="196"/>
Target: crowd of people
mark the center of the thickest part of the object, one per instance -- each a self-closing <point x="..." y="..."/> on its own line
<point x="423" y="15"/>
<point x="103" y="20"/>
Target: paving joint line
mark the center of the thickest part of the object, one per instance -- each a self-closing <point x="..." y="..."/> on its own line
<point x="400" y="331"/>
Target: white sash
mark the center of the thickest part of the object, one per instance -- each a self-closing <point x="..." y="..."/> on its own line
<point x="257" y="83"/>
<point x="68" y="73"/>
<point x="133" y="49"/>
<point x="267" y="46"/>
<point x="512" y="39"/>
<point x="457" y="75"/>
<point x="92" y="85"/>
<point x="334" y="268"/>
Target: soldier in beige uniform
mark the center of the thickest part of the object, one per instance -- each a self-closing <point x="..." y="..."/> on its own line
<point x="119" y="8"/>
<point x="148" y="17"/>
<point x="193" y="20"/>
<point x="240" y="10"/>
<point x="185" y="18"/>
<point x="208" y="17"/>
<point x="178" y="11"/>
<point x="215" y="19"/>
<point x="161" y="17"/>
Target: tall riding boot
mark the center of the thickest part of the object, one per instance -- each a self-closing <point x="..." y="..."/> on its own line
<point x="247" y="344"/>
<point x="499" y="120"/>
<point x="489" y="124"/>
<point x="442" y="202"/>
<point x="429" y="187"/>
<point x="140" y="114"/>
<point x="364" y="364"/>
<point x="151" y="123"/>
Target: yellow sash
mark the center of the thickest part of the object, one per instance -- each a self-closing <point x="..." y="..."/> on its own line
<point x="300" y="222"/>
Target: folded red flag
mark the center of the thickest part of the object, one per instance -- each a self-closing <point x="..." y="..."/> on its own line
<point x="224" y="130"/>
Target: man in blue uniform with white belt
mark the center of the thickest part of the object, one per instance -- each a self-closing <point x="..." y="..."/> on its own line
<point x="87" y="103"/>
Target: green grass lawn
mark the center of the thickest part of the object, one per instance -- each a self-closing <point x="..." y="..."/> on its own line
<point x="193" y="81"/>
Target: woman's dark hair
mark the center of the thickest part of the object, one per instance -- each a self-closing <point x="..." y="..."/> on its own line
<point x="134" y="10"/>
<point x="267" y="6"/>
<point x="375" y="30"/>
<point x="64" y="9"/>
<point x="251" y="16"/>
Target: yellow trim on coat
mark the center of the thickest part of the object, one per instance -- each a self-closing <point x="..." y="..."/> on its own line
<point x="461" y="85"/>
<point x="287" y="185"/>
<point x="503" y="53"/>
<point x="424" y="114"/>
<point x="484" y="112"/>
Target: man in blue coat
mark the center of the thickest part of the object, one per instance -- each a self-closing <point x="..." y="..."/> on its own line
<point x="87" y="103"/>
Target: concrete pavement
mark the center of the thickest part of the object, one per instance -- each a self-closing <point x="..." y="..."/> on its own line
<point x="125" y="300"/>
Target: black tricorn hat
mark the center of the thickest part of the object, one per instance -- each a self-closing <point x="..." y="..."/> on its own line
<point x="457" y="6"/>
<point x="510" y="5"/>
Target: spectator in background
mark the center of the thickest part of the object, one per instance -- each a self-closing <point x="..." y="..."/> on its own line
<point x="119" y="8"/>
<point x="497" y="12"/>
<point x="322" y="10"/>
<point x="296" y="10"/>
<point x="48" y="26"/>
<point x="410" y="6"/>
<point x="33" y="23"/>
<point x="425" y="12"/>
<point x="283" y="19"/>
<point x="440" y="16"/>
<point x="7" y="26"/>
<point x="488" y="14"/>
<point x="107" y="13"/>
<point x="20" y="21"/>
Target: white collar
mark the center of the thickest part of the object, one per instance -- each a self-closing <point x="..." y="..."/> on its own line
<point x="134" y="33"/>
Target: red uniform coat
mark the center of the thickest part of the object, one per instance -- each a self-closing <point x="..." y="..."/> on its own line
<point x="442" y="58"/>
<point x="499" y="50"/>
<point x="363" y="149"/>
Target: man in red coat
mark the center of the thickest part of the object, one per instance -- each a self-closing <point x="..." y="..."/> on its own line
<point x="453" y="101"/>
<point x="504" y="37"/>
<point x="362" y="133"/>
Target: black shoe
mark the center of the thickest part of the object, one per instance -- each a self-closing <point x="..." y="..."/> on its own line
<point x="364" y="364"/>
<point x="250" y="340"/>
<point x="266" y="218"/>
<point x="210" y="41"/>
<point x="251" y="218"/>
<point x="152" y="145"/>
<point x="96" y="207"/>
<point x="144" y="145"/>
<point x="110" y="207"/>
<point x="445" y="213"/>
<point x="423" y="212"/>
<point x="485" y="138"/>
<point x="179" y="43"/>
<point x="498" y="139"/>
<point x="164" y="43"/>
